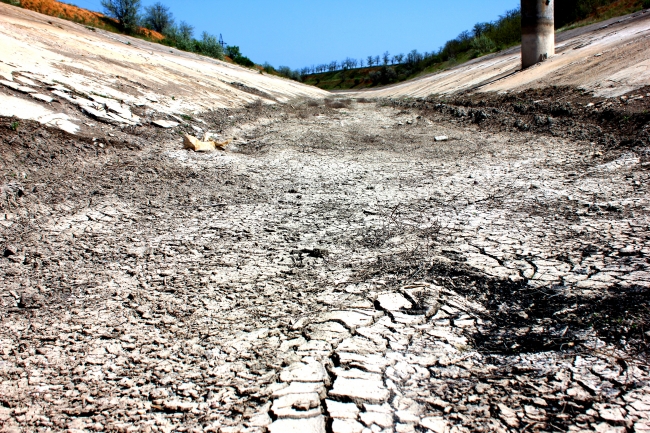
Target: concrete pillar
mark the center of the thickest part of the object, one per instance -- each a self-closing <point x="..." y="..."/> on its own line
<point x="537" y="31"/>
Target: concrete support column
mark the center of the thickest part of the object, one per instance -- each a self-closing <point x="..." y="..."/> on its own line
<point x="537" y="31"/>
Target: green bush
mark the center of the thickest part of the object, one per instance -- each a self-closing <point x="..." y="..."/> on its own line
<point x="483" y="44"/>
<point x="646" y="4"/>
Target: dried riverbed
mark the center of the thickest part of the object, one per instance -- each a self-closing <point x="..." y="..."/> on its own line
<point x="336" y="270"/>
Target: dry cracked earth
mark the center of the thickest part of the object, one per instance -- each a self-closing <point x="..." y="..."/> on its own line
<point x="336" y="270"/>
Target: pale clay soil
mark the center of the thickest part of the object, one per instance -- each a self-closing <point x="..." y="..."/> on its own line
<point x="335" y="270"/>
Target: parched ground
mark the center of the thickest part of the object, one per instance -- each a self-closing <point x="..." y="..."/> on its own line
<point x="336" y="270"/>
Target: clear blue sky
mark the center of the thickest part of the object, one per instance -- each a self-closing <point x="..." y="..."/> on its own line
<point x="301" y="33"/>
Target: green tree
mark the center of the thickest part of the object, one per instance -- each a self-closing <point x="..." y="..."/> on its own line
<point x="233" y="51"/>
<point x="185" y="30"/>
<point x="157" y="17"/>
<point x="210" y="46"/>
<point x="126" y="12"/>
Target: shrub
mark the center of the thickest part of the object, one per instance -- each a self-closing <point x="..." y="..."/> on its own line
<point x="483" y="44"/>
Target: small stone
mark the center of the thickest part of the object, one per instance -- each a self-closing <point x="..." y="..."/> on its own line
<point x="346" y="426"/>
<point x="307" y="425"/>
<point x="440" y="138"/>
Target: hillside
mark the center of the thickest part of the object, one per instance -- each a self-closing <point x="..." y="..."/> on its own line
<point x="79" y="15"/>
<point x="484" y="39"/>
<point x="610" y="58"/>
<point x="85" y="62"/>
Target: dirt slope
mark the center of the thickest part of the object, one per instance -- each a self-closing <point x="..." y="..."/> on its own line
<point x="608" y="59"/>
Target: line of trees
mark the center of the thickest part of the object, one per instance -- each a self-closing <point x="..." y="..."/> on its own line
<point x="483" y="38"/>
<point x="158" y="17"/>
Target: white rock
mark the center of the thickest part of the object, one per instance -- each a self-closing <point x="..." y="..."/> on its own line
<point x="440" y="138"/>
<point x="302" y="388"/>
<point x="342" y="410"/>
<point x="26" y="81"/>
<point x="315" y="345"/>
<point x="290" y="344"/>
<point x="352" y="319"/>
<point x="297" y="406"/>
<point x="613" y="413"/>
<point x="393" y="301"/>
<point x="346" y="426"/>
<point x="309" y="371"/>
<point x="41" y="97"/>
<point x="368" y="362"/>
<point x="372" y="391"/>
<point x="260" y="420"/>
<point x="165" y="123"/>
<point x="308" y="425"/>
<point x="408" y="319"/>
<point x="17" y="87"/>
<point x="381" y="419"/>
<point x="436" y="424"/>
<point x="407" y="417"/>
<point x="24" y="109"/>
<point x="332" y="332"/>
<point x="381" y="408"/>
<point x="466" y="323"/>
<point x="355" y="373"/>
<point x="360" y="345"/>
<point x="404" y="428"/>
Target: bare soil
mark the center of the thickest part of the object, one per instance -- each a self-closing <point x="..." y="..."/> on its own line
<point x="495" y="281"/>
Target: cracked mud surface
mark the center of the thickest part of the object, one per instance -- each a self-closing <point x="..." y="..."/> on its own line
<point x="337" y="270"/>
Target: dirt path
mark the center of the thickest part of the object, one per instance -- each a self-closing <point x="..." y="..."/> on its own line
<point x="336" y="270"/>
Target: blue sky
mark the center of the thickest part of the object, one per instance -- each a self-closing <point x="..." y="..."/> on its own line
<point x="301" y="33"/>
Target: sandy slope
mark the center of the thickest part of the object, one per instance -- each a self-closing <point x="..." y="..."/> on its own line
<point x="609" y="59"/>
<point x="128" y="69"/>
